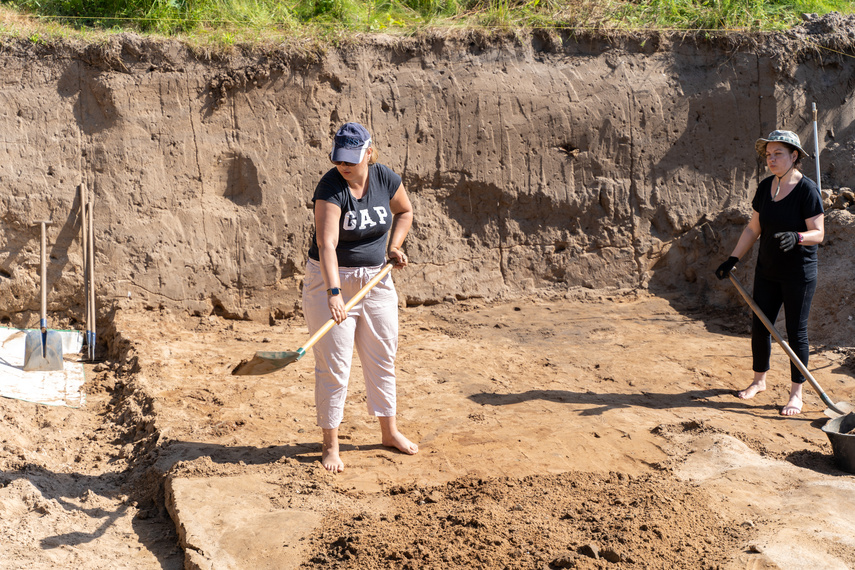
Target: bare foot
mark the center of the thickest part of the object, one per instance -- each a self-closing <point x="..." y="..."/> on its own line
<point x="331" y="460"/>
<point x="752" y="390"/>
<point x="397" y="440"/>
<point x="393" y="438"/>
<point x="793" y="407"/>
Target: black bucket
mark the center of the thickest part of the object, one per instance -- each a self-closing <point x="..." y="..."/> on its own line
<point x="842" y="442"/>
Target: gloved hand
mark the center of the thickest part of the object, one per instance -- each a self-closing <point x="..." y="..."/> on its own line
<point x="725" y="268"/>
<point x="787" y="240"/>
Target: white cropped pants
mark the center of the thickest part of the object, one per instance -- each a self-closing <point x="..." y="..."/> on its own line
<point x="372" y="325"/>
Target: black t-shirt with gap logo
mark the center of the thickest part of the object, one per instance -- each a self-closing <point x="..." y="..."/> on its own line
<point x="364" y="223"/>
<point x="787" y="215"/>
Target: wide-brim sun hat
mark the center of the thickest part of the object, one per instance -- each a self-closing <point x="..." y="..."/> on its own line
<point x="350" y="143"/>
<point x="786" y="137"/>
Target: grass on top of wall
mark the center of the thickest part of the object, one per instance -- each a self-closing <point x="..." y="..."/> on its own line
<point x="227" y="22"/>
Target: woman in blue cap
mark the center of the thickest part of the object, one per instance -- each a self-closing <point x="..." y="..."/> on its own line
<point x="788" y="220"/>
<point x="362" y="215"/>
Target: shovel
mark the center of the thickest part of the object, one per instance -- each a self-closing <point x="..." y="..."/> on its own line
<point x="834" y="410"/>
<point x="43" y="348"/>
<point x="267" y="362"/>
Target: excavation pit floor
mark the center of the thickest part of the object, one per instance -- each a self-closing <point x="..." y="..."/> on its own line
<point x="554" y="432"/>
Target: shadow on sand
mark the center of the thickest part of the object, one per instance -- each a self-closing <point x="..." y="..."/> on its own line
<point x="602" y="403"/>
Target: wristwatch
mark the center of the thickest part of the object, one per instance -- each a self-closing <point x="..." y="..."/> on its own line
<point x="334" y="291"/>
<point x="801" y="237"/>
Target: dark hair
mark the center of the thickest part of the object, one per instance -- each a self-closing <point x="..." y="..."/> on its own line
<point x="799" y="157"/>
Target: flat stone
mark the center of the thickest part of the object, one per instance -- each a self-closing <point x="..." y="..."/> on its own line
<point x="610" y="555"/>
<point x="565" y="560"/>
<point x="230" y="523"/>
<point x="590" y="550"/>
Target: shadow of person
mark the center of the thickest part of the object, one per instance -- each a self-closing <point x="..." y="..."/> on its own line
<point x="602" y="403"/>
<point x="110" y="495"/>
<point x="72" y="491"/>
<point x="304" y="453"/>
<point x="77" y="538"/>
<point x="816" y="461"/>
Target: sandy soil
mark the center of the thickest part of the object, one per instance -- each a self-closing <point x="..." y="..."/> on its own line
<point x="583" y="431"/>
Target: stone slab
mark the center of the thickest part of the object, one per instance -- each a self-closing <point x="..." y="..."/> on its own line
<point x="231" y="523"/>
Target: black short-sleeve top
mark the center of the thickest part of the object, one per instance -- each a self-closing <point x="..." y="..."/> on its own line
<point x="364" y="223"/>
<point x="787" y="215"/>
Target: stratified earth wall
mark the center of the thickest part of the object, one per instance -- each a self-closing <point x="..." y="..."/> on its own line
<point x="553" y="161"/>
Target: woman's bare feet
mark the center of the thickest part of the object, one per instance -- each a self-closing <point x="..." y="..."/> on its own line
<point x="755" y="388"/>
<point x="393" y="438"/>
<point x="330" y="458"/>
<point x="331" y="461"/>
<point x="401" y="443"/>
<point x="794" y="406"/>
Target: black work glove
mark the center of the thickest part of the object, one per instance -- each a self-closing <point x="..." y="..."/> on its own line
<point x="725" y="268"/>
<point x="787" y="240"/>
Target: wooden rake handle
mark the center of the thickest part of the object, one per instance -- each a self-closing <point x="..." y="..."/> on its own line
<point x="347" y="307"/>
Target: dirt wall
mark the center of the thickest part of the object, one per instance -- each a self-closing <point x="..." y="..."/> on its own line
<point x="552" y="161"/>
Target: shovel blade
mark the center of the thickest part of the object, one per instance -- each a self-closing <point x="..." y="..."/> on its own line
<point x="265" y="363"/>
<point x="43" y="351"/>
<point x="844" y="407"/>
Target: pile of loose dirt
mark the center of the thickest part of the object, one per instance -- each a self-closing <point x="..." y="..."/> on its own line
<point x="568" y="520"/>
<point x="833" y="30"/>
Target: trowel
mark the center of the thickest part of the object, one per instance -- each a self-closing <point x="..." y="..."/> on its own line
<point x="43" y="348"/>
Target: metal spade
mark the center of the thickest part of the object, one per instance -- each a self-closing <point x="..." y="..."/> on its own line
<point x="43" y="348"/>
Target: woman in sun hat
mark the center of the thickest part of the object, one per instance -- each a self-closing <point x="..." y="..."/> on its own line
<point x="362" y="215"/>
<point x="788" y="219"/>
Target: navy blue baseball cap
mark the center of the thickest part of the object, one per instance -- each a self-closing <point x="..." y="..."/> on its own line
<point x="350" y="143"/>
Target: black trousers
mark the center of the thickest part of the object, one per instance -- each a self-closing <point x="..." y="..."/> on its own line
<point x="796" y="299"/>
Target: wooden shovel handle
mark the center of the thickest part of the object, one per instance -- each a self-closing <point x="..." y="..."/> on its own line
<point x="43" y="277"/>
<point x="43" y="273"/>
<point x="348" y="306"/>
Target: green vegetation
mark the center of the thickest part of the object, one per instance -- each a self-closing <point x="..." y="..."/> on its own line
<point x="230" y="21"/>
